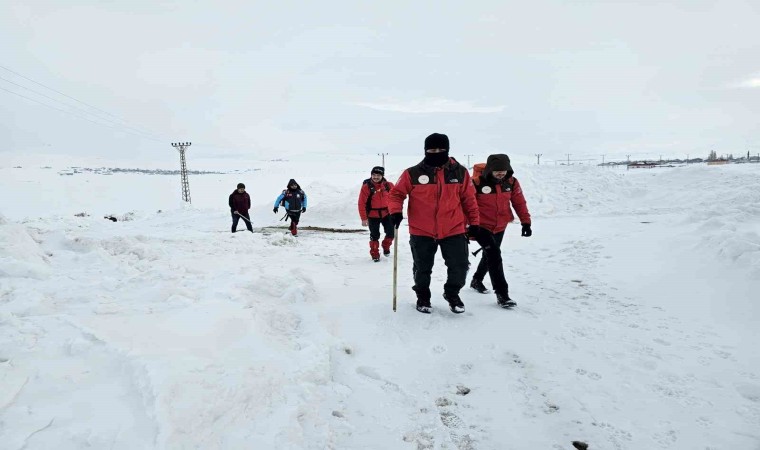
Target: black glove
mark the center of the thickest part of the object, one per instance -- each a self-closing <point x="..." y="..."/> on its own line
<point x="276" y="209"/>
<point x="303" y="210"/>
<point x="483" y="237"/>
<point x="396" y="218"/>
<point x="473" y="232"/>
<point x="526" y="231"/>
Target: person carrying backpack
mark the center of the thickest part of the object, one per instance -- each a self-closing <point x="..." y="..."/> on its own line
<point x="441" y="203"/>
<point x="294" y="201"/>
<point x="497" y="192"/>
<point x="240" y="203"/>
<point x="373" y="210"/>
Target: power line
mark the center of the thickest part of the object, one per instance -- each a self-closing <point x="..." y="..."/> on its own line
<point x="124" y="122"/>
<point x="148" y="135"/>
<point x="76" y="115"/>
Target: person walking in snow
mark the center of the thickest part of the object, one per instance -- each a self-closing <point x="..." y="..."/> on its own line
<point x="373" y="211"/>
<point x="240" y="203"/>
<point x="441" y="203"/>
<point x="497" y="192"/>
<point x="293" y="198"/>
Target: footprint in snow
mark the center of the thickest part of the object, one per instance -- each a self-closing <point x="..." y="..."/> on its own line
<point x="458" y="429"/>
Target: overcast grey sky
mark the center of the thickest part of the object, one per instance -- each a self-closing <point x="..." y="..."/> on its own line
<point x="258" y="78"/>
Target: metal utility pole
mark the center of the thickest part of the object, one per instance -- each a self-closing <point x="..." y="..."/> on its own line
<point x="629" y="157"/>
<point x="383" y="155"/>
<point x="602" y="159"/>
<point x="181" y="146"/>
<point x="468" y="161"/>
<point x="568" y="158"/>
<point x="538" y="158"/>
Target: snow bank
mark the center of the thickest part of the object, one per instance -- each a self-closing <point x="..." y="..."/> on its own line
<point x="20" y="254"/>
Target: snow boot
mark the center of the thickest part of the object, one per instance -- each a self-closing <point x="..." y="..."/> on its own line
<point x="455" y="303"/>
<point x="374" y="250"/>
<point x="293" y="229"/>
<point x="504" y="301"/>
<point x="423" y="306"/>
<point x="478" y="286"/>
<point x="423" y="300"/>
<point x="387" y="245"/>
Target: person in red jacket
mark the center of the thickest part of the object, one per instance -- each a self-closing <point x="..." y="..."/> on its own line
<point x="441" y="203"/>
<point x="373" y="210"/>
<point x="497" y="192"/>
<point x="240" y="203"/>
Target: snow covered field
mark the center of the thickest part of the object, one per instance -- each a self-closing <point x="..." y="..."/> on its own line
<point x="636" y="325"/>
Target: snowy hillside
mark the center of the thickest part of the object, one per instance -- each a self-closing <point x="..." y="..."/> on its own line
<point x="635" y="326"/>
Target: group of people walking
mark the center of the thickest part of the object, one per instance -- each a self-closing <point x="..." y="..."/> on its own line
<point x="292" y="198"/>
<point x="447" y="208"/>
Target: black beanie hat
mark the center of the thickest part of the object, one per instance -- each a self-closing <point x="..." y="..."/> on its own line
<point x="378" y="170"/>
<point x="437" y="140"/>
<point x="241" y="186"/>
<point x="498" y="163"/>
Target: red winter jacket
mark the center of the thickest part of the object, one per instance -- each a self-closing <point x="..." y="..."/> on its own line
<point x="239" y="202"/>
<point x="441" y="199"/>
<point x="378" y="208"/>
<point x="496" y="200"/>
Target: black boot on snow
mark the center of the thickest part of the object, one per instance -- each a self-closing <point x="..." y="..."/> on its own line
<point x="423" y="306"/>
<point x="478" y="286"/>
<point x="455" y="303"/>
<point x="504" y="301"/>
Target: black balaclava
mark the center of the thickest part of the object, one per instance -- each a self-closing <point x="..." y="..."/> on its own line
<point x="291" y="182"/>
<point x="436" y="140"/>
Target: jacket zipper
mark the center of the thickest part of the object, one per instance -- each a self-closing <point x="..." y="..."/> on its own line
<point x="437" y="201"/>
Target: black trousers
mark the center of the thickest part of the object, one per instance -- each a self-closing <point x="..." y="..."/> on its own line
<point x="454" y="251"/>
<point x="294" y="216"/>
<point x="236" y="219"/>
<point x="492" y="263"/>
<point x="374" y="227"/>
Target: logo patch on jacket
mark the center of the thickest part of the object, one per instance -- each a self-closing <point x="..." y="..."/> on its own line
<point x="486" y="189"/>
<point x="424" y="179"/>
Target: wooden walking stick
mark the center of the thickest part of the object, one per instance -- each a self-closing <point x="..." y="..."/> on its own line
<point x="395" y="267"/>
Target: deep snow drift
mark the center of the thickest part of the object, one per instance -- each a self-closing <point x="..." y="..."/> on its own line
<point x="635" y="326"/>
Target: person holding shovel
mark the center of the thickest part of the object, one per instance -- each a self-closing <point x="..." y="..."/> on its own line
<point x="240" y="203"/>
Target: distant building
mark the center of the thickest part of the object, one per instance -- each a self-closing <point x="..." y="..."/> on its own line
<point x="641" y="165"/>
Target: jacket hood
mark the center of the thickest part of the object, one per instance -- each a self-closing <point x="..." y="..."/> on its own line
<point x="497" y="163"/>
<point x="292" y="181"/>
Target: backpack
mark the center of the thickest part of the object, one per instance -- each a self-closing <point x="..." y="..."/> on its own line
<point x="477" y="171"/>
<point x="371" y="187"/>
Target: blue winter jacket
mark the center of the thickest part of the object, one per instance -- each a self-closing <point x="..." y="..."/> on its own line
<point x="296" y="198"/>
